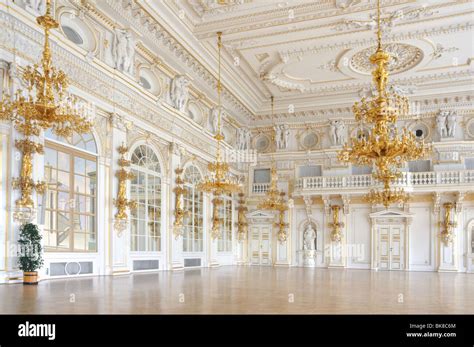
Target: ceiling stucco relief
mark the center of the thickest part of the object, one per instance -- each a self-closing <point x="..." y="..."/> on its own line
<point x="388" y="20"/>
<point x="403" y="57"/>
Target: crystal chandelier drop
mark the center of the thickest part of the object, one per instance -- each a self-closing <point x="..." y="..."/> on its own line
<point x="219" y="182"/>
<point x="43" y="104"/>
<point x="385" y="148"/>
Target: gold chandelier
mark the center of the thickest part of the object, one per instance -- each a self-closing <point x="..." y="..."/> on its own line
<point x="218" y="182"/>
<point x="43" y="104"/>
<point x="275" y="200"/>
<point x="384" y="148"/>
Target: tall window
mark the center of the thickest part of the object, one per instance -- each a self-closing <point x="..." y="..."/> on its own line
<point x="193" y="201"/>
<point x="146" y="191"/>
<point x="224" y="243"/>
<point x="70" y="202"/>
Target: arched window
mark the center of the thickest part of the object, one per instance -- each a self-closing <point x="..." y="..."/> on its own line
<point x="224" y="243"/>
<point x="146" y="191"/>
<point x="193" y="201"/>
<point x="70" y="170"/>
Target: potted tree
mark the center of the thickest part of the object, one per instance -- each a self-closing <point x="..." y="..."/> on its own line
<point x="30" y="257"/>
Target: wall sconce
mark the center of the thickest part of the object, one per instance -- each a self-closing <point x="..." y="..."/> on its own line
<point x="242" y="225"/>
<point x="448" y="225"/>
<point x="281" y="225"/>
<point x="179" y="212"/>
<point x="122" y="203"/>
<point x="336" y="234"/>
<point x="216" y="221"/>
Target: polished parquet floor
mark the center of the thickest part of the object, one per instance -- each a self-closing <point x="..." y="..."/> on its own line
<point x="232" y="289"/>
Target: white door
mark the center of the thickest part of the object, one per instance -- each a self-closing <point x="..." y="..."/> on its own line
<point x="260" y="245"/>
<point x="390" y="247"/>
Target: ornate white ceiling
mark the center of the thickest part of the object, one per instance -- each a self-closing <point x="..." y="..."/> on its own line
<point x="313" y="55"/>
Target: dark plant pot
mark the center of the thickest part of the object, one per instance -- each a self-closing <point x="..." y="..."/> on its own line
<point x="30" y="277"/>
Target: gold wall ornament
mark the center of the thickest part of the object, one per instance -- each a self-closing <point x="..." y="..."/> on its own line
<point x="336" y="226"/>
<point x="448" y="225"/>
<point x="43" y="104"/>
<point x="384" y="148"/>
<point x="122" y="203"/>
<point x="179" y="212"/>
<point x="242" y="224"/>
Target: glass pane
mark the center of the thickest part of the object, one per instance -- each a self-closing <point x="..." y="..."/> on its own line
<point x="63" y="180"/>
<point x="79" y="165"/>
<point x="79" y="241"/>
<point x="50" y="157"/>
<point x="91" y="168"/>
<point x="79" y="184"/>
<point x="63" y="161"/>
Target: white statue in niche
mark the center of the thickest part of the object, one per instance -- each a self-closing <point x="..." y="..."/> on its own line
<point x="338" y="132"/>
<point x="123" y="50"/>
<point x="179" y="93"/>
<point x="309" y="237"/>
<point x="35" y="5"/>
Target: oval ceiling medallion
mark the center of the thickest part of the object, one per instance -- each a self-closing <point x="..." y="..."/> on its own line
<point x="403" y="57"/>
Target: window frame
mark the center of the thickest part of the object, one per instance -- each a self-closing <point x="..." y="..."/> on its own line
<point x="192" y="191"/>
<point x="73" y="152"/>
<point x="223" y="240"/>
<point x="146" y="171"/>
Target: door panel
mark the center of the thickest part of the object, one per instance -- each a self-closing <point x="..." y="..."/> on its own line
<point x="391" y="251"/>
<point x="260" y="246"/>
<point x="384" y="248"/>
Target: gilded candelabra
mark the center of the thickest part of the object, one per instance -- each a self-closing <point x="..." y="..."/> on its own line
<point x="448" y="225"/>
<point x="336" y="226"/>
<point x="219" y="181"/>
<point x="122" y="203"/>
<point x="385" y="148"/>
<point x="179" y="212"/>
<point x="242" y="225"/>
<point x="43" y="104"/>
<point x="281" y="225"/>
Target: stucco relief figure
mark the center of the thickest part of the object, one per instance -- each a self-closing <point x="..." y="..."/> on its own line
<point x="215" y="119"/>
<point x="451" y="124"/>
<point x="446" y="123"/>
<point x="308" y="238"/>
<point x="286" y="136"/>
<point x="277" y="129"/>
<point x="179" y="92"/>
<point x="35" y="5"/>
<point x="123" y="50"/>
<point x="337" y="132"/>
<point x="243" y="139"/>
<point x="441" y="124"/>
